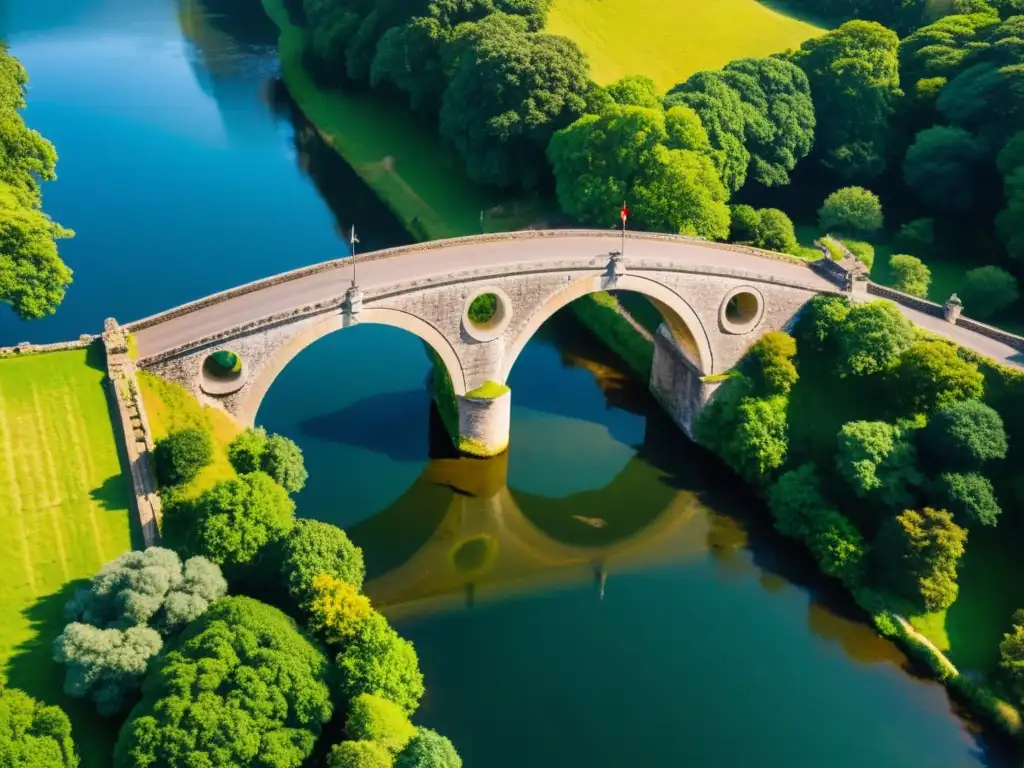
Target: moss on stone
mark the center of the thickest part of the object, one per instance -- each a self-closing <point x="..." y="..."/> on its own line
<point x="489" y="390"/>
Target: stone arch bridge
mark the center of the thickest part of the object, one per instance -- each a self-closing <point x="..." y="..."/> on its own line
<point x="715" y="300"/>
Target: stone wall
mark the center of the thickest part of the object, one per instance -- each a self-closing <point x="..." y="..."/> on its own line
<point x="27" y="348"/>
<point x="907" y="300"/>
<point x="676" y="384"/>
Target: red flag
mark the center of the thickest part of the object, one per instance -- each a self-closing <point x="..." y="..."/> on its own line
<point x="625" y="213"/>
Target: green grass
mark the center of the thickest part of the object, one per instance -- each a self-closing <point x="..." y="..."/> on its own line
<point x="669" y="40"/>
<point x="171" y="407"/>
<point x="400" y="157"/>
<point x="488" y="390"/>
<point x="64" y="512"/>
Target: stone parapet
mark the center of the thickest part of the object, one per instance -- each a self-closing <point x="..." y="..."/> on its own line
<point x="26" y="348"/>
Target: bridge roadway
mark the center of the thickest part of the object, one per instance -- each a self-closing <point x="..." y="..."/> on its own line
<point x="476" y="258"/>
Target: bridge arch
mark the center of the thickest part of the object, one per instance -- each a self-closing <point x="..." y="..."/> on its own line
<point x="277" y="361"/>
<point x="677" y="314"/>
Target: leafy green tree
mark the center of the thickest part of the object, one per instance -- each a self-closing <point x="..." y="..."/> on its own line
<point x="820" y="322"/>
<point x="919" y="552"/>
<point x="745" y="224"/>
<point x="657" y="160"/>
<point x="853" y="73"/>
<point x="932" y="375"/>
<point x="378" y="661"/>
<point x="1010" y="221"/>
<point x="873" y="337"/>
<point x="105" y="665"/>
<point x="876" y="459"/>
<point x="282" y="460"/>
<point x="371" y="718"/>
<point x="917" y="236"/>
<point x="942" y="167"/>
<point x="33" y="735"/>
<point x="940" y="49"/>
<point x="1011" y="655"/>
<point x="984" y="99"/>
<point x="233" y="522"/>
<point x="777" y="232"/>
<point x="246" y="451"/>
<point x="988" y="290"/>
<point x="796" y="502"/>
<point x="970" y="497"/>
<point x="359" y="754"/>
<point x="148" y="588"/>
<point x="771" y="363"/>
<point x="910" y="274"/>
<point x="851" y="211"/>
<point x="839" y="548"/>
<point x="335" y="609"/>
<point x="182" y="455"/>
<point x="507" y="98"/>
<point x="635" y="91"/>
<point x="717" y="422"/>
<point x="312" y="548"/>
<point x="965" y="435"/>
<point x="243" y="687"/>
<point x="428" y="749"/>
<point x="760" y="442"/>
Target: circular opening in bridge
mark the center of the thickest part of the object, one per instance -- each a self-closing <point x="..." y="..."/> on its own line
<point x="223" y="373"/>
<point x="487" y="313"/>
<point x="742" y="310"/>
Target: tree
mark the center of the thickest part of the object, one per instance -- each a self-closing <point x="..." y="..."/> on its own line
<point x="33" y="735"/>
<point x="984" y="99"/>
<point x="1009" y="221"/>
<point x="378" y="661"/>
<point x="771" y="363"/>
<point x="243" y="687"/>
<point x="796" y="502"/>
<point x="148" y="588"/>
<point x="851" y="211"/>
<point x="282" y="460"/>
<point x="745" y="224"/>
<point x="508" y="95"/>
<point x="965" y="435"/>
<point x="371" y="718"/>
<point x="970" y="497"/>
<point x="636" y="91"/>
<point x="910" y="275"/>
<point x="233" y="522"/>
<point x="182" y="455"/>
<point x="336" y="609"/>
<point x="932" y="375"/>
<point x="942" y="168"/>
<point x="312" y="548"/>
<point x="246" y="451"/>
<point x="919" y="552"/>
<point x="853" y="73"/>
<point x="839" y="549"/>
<point x="917" y="236"/>
<point x="1011" y="655"/>
<point x="777" y="232"/>
<point x="428" y="749"/>
<point x="940" y="49"/>
<point x="760" y="442"/>
<point x="873" y="337"/>
<point x="820" y="321"/>
<point x="988" y="290"/>
<point x="105" y="665"/>
<point x="876" y="459"/>
<point x="359" y="754"/>
<point x="657" y="160"/>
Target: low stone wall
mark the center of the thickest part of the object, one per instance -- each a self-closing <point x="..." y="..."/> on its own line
<point x="26" y="348"/>
<point x="998" y="334"/>
<point x="138" y="439"/>
<point x="907" y="300"/>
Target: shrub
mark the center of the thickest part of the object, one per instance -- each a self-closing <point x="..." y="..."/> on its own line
<point x="1011" y="657"/>
<point x="851" y="211"/>
<point x="970" y="497"/>
<point x="428" y="749"/>
<point x="864" y="252"/>
<point x="371" y="718"/>
<point x="745" y="224"/>
<point x="910" y="275"/>
<point x="873" y="337"/>
<point x="359" y="754"/>
<point x="336" y="609"/>
<point x="819" y="322"/>
<point x="182" y="455"/>
<point x="987" y="291"/>
<point x="313" y="548"/>
<point x="776" y="232"/>
<point x="33" y="735"/>
<point x="378" y="661"/>
<point x="796" y="502"/>
<point x="253" y="451"/>
<point x="771" y="361"/>
<point x="760" y="441"/>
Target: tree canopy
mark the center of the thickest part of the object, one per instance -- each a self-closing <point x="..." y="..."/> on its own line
<point x="851" y="211"/>
<point x="312" y="548"/>
<point x="942" y="167"/>
<point x="379" y="662"/>
<point x="371" y="718"/>
<point x="243" y="687"/>
<point x="181" y="456"/>
<point x="876" y="458"/>
<point x="335" y="609"/>
<point x="965" y="435"/>
<point x="428" y="749"/>
<point x="873" y="336"/>
<point x="33" y="735"/>
<point x="988" y="290"/>
<point x="931" y="375"/>
<point x="910" y="275"/>
<point x="970" y="497"/>
<point x="253" y="450"/>
<point x="919" y="552"/>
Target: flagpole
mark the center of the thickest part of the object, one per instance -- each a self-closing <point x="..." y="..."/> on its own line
<point x="623" y="249"/>
<point x="352" y="240"/>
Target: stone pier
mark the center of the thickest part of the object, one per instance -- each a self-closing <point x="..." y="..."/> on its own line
<point x="677" y="383"/>
<point x="484" y="423"/>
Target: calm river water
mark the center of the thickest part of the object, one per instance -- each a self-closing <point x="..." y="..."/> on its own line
<point x="604" y="595"/>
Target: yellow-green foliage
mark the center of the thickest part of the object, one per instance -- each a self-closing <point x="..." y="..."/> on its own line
<point x="669" y="40"/>
<point x="64" y="512"/>
<point x="336" y="609"/>
<point x="133" y="347"/>
<point x="488" y="390"/>
<point x="600" y="313"/>
<point x="170" y="407"/>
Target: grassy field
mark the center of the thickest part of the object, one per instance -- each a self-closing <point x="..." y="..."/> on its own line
<point x="669" y="40"/>
<point x="64" y="507"/>
<point x="171" y="407"/>
<point x="403" y="160"/>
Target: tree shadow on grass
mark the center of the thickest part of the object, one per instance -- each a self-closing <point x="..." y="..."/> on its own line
<point x="96" y="356"/>
<point x="112" y="494"/>
<point x="31" y="668"/>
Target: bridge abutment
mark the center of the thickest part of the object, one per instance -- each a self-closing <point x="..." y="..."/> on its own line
<point x="676" y="382"/>
<point x="484" y="418"/>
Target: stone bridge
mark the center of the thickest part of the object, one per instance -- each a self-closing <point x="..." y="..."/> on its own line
<point x="715" y="299"/>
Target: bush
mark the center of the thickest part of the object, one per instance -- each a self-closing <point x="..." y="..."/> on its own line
<point x="910" y="275"/>
<point x="796" y="502"/>
<point x="371" y="718"/>
<point x="851" y="211"/>
<point x="873" y="337"/>
<point x="253" y="451"/>
<point x="182" y="455"/>
<point x="745" y="224"/>
<point x="760" y="441"/>
<point x="336" y="609"/>
<point x="313" y="548"/>
<point x="428" y="749"/>
<point x="771" y="361"/>
<point x="359" y="754"/>
<point x="378" y="661"/>
<point x="987" y="291"/>
<point x="970" y="497"/>
<point x="776" y="232"/>
<point x="33" y="735"/>
<point x="917" y="236"/>
<point x="864" y="252"/>
<point x="819" y="322"/>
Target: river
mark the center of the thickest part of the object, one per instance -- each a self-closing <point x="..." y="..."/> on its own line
<point x="605" y="594"/>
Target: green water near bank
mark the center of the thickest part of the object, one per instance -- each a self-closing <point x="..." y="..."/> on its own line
<point x="603" y="595"/>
